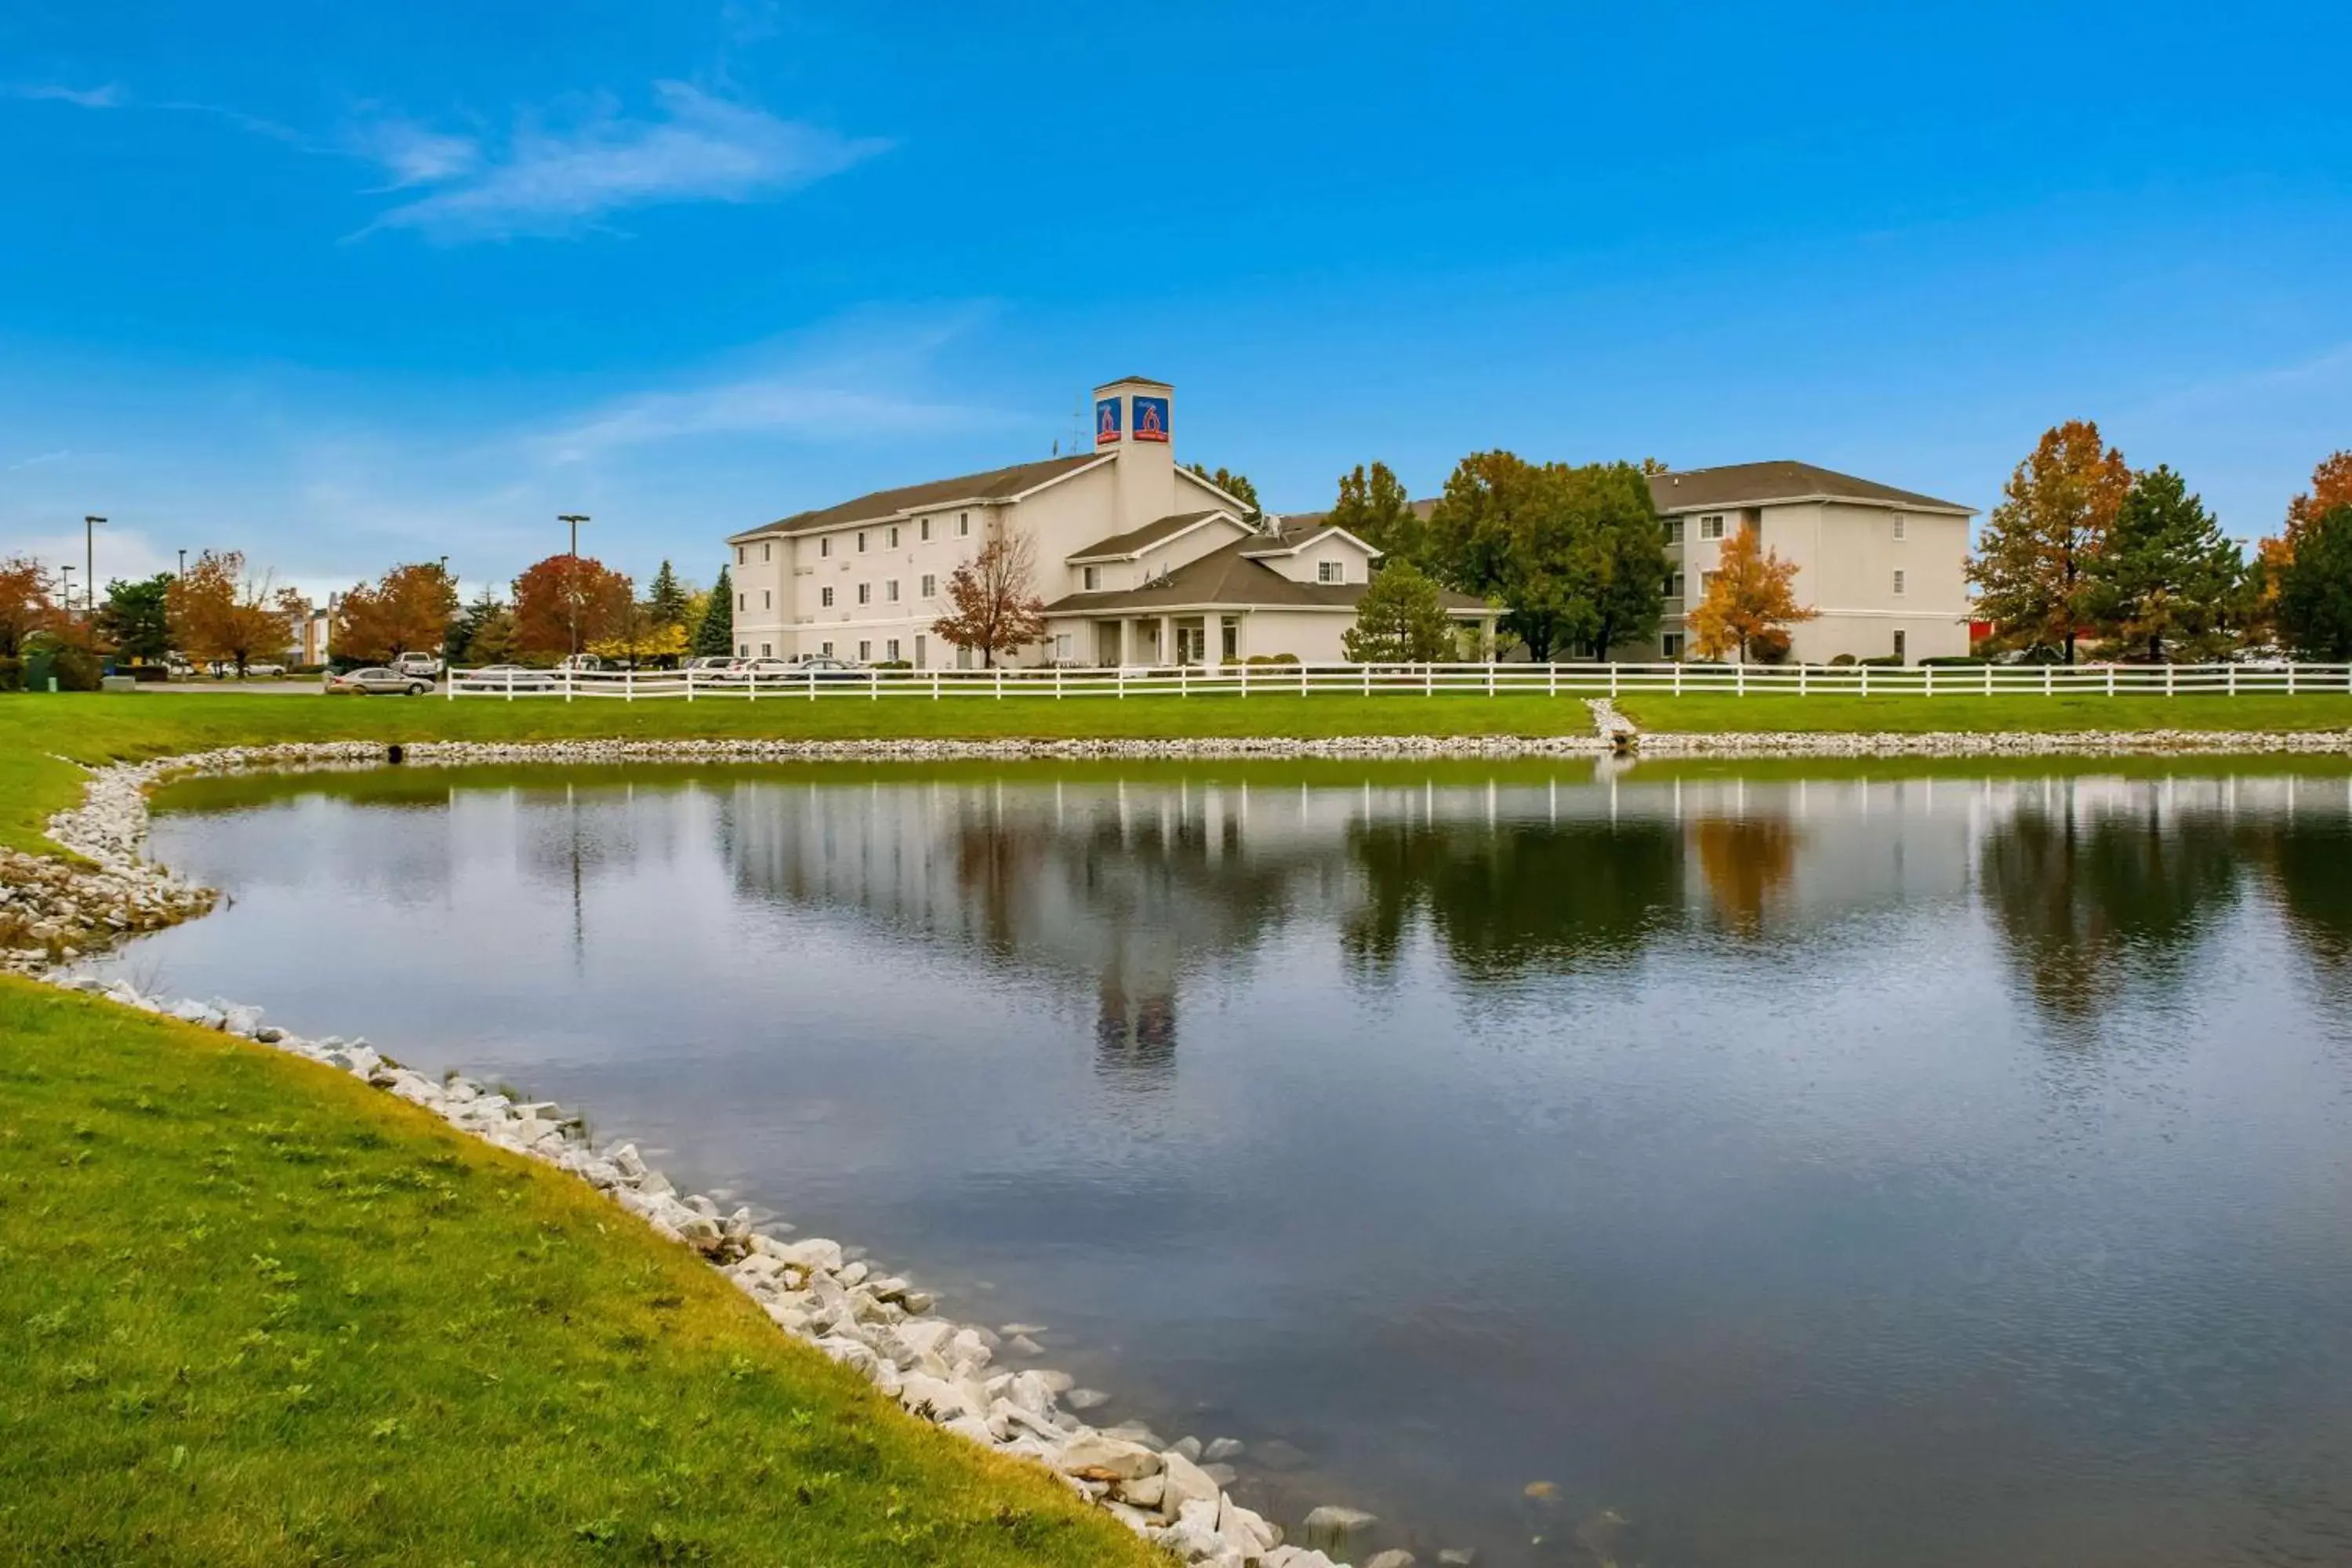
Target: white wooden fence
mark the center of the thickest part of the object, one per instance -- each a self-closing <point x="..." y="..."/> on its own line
<point x="1414" y="679"/>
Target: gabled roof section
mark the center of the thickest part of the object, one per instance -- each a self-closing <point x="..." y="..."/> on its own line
<point x="1293" y="538"/>
<point x="1135" y="542"/>
<point x="1228" y="578"/>
<point x="1234" y="504"/>
<point x="994" y="486"/>
<point x="1759" y="484"/>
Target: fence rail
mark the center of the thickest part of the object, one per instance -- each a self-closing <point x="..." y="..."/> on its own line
<point x="1416" y="680"/>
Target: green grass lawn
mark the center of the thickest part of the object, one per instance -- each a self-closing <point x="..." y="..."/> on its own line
<point x="257" y="1312"/>
<point x="2007" y="710"/>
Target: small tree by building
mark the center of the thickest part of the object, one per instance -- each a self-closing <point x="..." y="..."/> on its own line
<point x="1750" y="593"/>
<point x="992" y="609"/>
<point x="1401" y="619"/>
<point x="668" y="599"/>
<point x="220" y="615"/>
<point x="482" y="634"/>
<point x="2331" y="487"/>
<point x="2315" y="599"/>
<point x="2032" y="562"/>
<point x="714" y="635"/>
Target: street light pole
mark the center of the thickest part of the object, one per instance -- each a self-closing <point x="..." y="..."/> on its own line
<point x="65" y="576"/>
<point x="183" y="565"/>
<point x="90" y="563"/>
<point x="572" y="580"/>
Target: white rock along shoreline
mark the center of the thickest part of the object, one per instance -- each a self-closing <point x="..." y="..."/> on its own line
<point x="55" y="912"/>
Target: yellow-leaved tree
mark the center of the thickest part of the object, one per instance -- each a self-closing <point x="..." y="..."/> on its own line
<point x="1749" y="603"/>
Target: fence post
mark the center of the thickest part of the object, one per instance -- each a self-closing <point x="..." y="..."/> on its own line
<point x="1245" y="670"/>
<point x="449" y="683"/>
<point x="1866" y="677"/>
<point x="1927" y="680"/>
<point x="2049" y="678"/>
<point x="1122" y="682"/>
<point x="2167" y="678"/>
<point x="1987" y="679"/>
<point x="1739" y="679"/>
<point x="690" y="683"/>
<point x="874" y="685"/>
<point x="1000" y="683"/>
<point x="1368" y="677"/>
<point x="568" y="674"/>
<point x="935" y="685"/>
<point x="629" y="684"/>
<point x="1678" y="677"/>
<point x="2111" y="680"/>
<point x="1801" y="680"/>
<point x="1428" y="681"/>
<point x="2290" y="680"/>
<point x="2233" y="680"/>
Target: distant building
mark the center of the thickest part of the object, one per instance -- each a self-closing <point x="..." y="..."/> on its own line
<point x="1883" y="566"/>
<point x="1141" y="562"/>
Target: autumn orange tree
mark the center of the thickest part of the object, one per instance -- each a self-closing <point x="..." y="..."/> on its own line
<point x="2031" y="568"/>
<point x="217" y="613"/>
<point x="408" y="609"/>
<point x="568" y="597"/>
<point x="2331" y="487"/>
<point x="992" y="608"/>
<point x="1750" y="600"/>
<point x="25" y="606"/>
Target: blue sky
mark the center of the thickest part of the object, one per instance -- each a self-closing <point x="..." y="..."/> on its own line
<point x="348" y="284"/>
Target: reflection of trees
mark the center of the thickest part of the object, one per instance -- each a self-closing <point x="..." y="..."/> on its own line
<point x="1514" y="897"/>
<point x="2090" y="898"/>
<point x="2310" y="869"/>
<point x="1746" y="862"/>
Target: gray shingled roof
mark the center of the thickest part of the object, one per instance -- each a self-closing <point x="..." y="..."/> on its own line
<point x="996" y="484"/>
<point x="1226" y="577"/>
<point x="1748" y="484"/>
<point x="1136" y="541"/>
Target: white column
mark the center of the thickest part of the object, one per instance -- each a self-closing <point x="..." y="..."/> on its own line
<point x="1167" y="639"/>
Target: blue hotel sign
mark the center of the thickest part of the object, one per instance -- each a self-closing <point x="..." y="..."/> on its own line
<point x="1106" y="421"/>
<point x="1151" y="419"/>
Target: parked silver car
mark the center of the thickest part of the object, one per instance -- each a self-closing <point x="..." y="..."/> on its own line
<point x="506" y="678"/>
<point x="376" y="681"/>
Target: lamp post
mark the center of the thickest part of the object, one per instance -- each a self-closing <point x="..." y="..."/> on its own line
<point x="183" y="565"/>
<point x="90" y="563"/>
<point x="572" y="580"/>
<point x="64" y="578"/>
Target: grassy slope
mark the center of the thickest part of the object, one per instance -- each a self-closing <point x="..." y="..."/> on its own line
<point x="258" y="1313"/>
<point x="1915" y="715"/>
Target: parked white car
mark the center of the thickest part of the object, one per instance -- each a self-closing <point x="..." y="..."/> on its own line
<point x="424" y="664"/>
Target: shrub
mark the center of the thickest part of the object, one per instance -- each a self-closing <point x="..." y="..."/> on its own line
<point x="1948" y="660"/>
<point x="1843" y="661"/>
<point x="11" y="674"/>
<point x="1263" y="658"/>
<point x="77" y="669"/>
<point x="1770" y="646"/>
<point x="1882" y="661"/>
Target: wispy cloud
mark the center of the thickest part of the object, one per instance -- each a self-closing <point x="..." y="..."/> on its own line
<point x="412" y="154"/>
<point x="110" y="96"/>
<point x="36" y="461"/>
<point x="697" y="147"/>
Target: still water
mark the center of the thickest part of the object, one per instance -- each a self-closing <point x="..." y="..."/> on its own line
<point x="1813" y="1171"/>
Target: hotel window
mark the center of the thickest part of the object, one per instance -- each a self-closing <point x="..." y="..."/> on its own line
<point x="923" y="531"/>
<point x="825" y="545"/>
<point x="742" y="650"/>
<point x="893" y="536"/>
<point x="1899" y="521"/>
<point x="890" y="592"/>
<point x="1233" y="636"/>
<point x="1711" y="526"/>
<point x="1898" y="580"/>
<point x="890" y="648"/>
<point x="1673" y="584"/>
<point x="930" y="586"/>
<point x="767" y="599"/>
<point x="739" y="556"/>
<point x="864" y="652"/>
<point x="1671" y="644"/>
<point x="963" y="525"/>
<point x="739" y="601"/>
<point x="1092" y="577"/>
<point x="861" y="541"/>
<point x="866" y="593"/>
<point x="1706" y="580"/>
<point x="1330" y="570"/>
<point x="767" y="550"/>
<point x="824" y="597"/>
<point x="766" y="650"/>
<point x="922" y="657"/>
<point x="1901" y="654"/>
<point x="825" y="648"/>
<point x="1674" y="531"/>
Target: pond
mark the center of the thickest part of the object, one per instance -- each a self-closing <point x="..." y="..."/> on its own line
<point x="1799" y="1166"/>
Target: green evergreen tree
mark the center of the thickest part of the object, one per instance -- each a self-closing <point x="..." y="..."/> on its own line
<point x="2315" y="601"/>
<point x="134" y="621"/>
<point x="1575" y="554"/>
<point x="2166" y="582"/>
<point x="1399" y="620"/>
<point x="666" y="600"/>
<point x="715" y="637"/>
